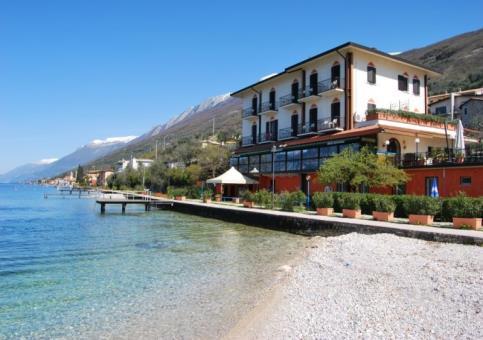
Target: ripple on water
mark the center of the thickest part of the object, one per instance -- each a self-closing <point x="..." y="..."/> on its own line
<point x="67" y="271"/>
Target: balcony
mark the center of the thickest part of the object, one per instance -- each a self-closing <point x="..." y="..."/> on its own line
<point x="289" y="101"/>
<point x="267" y="137"/>
<point x="328" y="125"/>
<point x="249" y="112"/>
<point x="330" y="87"/>
<point x="307" y="128"/>
<point x="325" y="87"/>
<point x="287" y="133"/>
<point x="439" y="157"/>
<point x="422" y="120"/>
<point x="269" y="108"/>
<point x="248" y="140"/>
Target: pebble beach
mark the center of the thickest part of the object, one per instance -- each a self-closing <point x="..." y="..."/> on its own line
<point x="374" y="286"/>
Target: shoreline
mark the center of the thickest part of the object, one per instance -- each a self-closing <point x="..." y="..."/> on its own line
<point x="363" y="286"/>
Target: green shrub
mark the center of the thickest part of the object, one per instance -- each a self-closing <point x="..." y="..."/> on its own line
<point x="247" y="195"/>
<point x="207" y="193"/>
<point x="422" y="205"/>
<point x="263" y="198"/>
<point x="338" y="196"/>
<point x="383" y="203"/>
<point x="298" y="198"/>
<point x="285" y="200"/>
<point x="401" y="206"/>
<point x="462" y="206"/>
<point x="367" y="203"/>
<point x="173" y="191"/>
<point x="323" y="199"/>
<point x="351" y="201"/>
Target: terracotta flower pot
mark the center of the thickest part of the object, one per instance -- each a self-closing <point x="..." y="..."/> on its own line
<point x="421" y="219"/>
<point x="461" y="222"/>
<point x="206" y="200"/>
<point x="383" y="216"/>
<point x="325" y="211"/>
<point x="248" y="204"/>
<point x="180" y="198"/>
<point x="218" y="198"/>
<point x="351" y="213"/>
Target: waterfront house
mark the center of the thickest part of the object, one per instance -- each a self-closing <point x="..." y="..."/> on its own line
<point x="348" y="97"/>
<point x="134" y="163"/>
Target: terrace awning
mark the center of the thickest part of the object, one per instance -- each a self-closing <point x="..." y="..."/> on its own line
<point x="232" y="176"/>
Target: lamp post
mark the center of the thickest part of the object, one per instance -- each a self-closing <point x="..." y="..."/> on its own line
<point x="273" y="150"/>
<point x="254" y="172"/>
<point x="308" y="191"/>
<point x="417" y="141"/>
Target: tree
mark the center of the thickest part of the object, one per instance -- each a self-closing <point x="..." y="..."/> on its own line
<point x="361" y="168"/>
<point x="213" y="158"/>
<point x="80" y="175"/>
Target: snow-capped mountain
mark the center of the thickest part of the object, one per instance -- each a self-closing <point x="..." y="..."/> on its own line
<point x="52" y="167"/>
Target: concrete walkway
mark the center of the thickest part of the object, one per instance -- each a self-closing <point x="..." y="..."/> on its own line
<point x="312" y="224"/>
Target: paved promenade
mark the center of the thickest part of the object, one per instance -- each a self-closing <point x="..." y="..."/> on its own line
<point x="312" y="224"/>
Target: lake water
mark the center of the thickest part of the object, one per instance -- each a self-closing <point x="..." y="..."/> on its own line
<point x="68" y="271"/>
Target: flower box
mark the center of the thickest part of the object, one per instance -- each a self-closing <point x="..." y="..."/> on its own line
<point x="248" y="204"/>
<point x="351" y="213"/>
<point x="383" y="216"/>
<point x="218" y="198"/>
<point x="206" y="200"/>
<point x="461" y="222"/>
<point x="421" y="219"/>
<point x="410" y="118"/>
<point x="325" y="211"/>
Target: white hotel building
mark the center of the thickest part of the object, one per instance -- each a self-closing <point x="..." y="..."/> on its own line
<point x="348" y="96"/>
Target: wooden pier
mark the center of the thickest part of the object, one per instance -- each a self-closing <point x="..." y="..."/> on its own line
<point x="123" y="199"/>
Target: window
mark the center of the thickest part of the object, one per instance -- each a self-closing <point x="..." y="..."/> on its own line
<point x="234" y="162"/>
<point x="293" y="160"/>
<point x="254" y="162"/>
<point x="310" y="159"/>
<point x="266" y="162"/>
<point x="416" y="85"/>
<point x="465" y="180"/>
<point x="280" y="161"/>
<point x="371" y="74"/>
<point x="441" y="110"/>
<point x="466" y="111"/>
<point x="243" y="164"/>
<point x="402" y="82"/>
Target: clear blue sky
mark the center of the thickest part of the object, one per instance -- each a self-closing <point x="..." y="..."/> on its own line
<point x="74" y="71"/>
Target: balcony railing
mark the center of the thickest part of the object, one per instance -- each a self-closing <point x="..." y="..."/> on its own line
<point x="307" y="128"/>
<point x="269" y="106"/>
<point x="267" y="137"/>
<point x="248" y="140"/>
<point x="287" y="133"/>
<point x="323" y="86"/>
<point x="328" y="124"/>
<point x="249" y="111"/>
<point x="439" y="158"/>
<point x="288" y="99"/>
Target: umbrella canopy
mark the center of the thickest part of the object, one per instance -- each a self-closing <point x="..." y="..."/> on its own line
<point x="434" y="188"/>
<point x="459" y="143"/>
<point x="232" y="176"/>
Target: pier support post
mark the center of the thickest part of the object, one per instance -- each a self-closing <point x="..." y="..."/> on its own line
<point x="124" y="208"/>
<point x="103" y="208"/>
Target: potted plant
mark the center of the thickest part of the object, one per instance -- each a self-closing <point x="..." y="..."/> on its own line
<point x="421" y="209"/>
<point x="384" y="208"/>
<point x="207" y="194"/>
<point x="218" y="197"/>
<point x="247" y="198"/>
<point x="466" y="212"/>
<point x="351" y="206"/>
<point x="179" y="194"/>
<point x="324" y="202"/>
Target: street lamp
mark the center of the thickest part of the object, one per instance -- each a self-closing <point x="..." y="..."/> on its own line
<point x="417" y="141"/>
<point x="273" y="150"/>
<point x="308" y="191"/>
<point x="254" y="172"/>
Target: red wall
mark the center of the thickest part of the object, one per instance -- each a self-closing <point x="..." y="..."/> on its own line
<point x="448" y="180"/>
